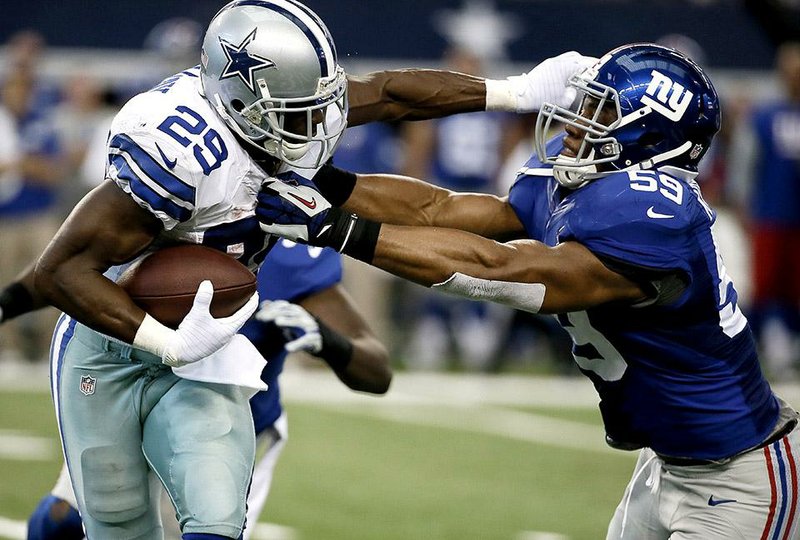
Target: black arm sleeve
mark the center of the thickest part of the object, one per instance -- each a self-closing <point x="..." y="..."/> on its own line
<point x="335" y="184"/>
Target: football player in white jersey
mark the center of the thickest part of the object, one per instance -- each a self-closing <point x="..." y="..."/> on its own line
<point x="186" y="161"/>
<point x="614" y="237"/>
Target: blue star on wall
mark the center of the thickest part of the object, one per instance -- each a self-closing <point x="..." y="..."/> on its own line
<point x="241" y="63"/>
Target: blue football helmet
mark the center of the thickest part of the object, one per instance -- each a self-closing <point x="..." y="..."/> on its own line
<point x="666" y="114"/>
<point x="265" y="62"/>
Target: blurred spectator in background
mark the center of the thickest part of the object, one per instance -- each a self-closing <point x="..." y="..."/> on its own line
<point x="461" y="153"/>
<point x="28" y="213"/>
<point x="77" y="120"/>
<point x="765" y="175"/>
<point x="24" y="51"/>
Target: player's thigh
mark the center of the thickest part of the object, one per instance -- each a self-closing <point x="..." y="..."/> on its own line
<point x="754" y="496"/>
<point x="95" y="397"/>
<point x="199" y="439"/>
<point x="637" y="514"/>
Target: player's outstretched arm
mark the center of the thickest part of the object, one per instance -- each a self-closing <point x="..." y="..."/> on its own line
<point x="524" y="274"/>
<point x="419" y="94"/>
<point x="402" y="200"/>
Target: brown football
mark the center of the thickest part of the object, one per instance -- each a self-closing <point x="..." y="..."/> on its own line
<point x="164" y="283"/>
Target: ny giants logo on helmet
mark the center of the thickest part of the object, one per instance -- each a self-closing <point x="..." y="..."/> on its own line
<point x="671" y="98"/>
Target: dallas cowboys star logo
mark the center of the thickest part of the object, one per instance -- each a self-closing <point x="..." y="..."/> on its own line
<point x="241" y="63"/>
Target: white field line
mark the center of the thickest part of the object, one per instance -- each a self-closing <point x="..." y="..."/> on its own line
<point x="13" y="530"/>
<point x="515" y="425"/>
<point x="539" y="535"/>
<point x="272" y="531"/>
<point x="17" y="445"/>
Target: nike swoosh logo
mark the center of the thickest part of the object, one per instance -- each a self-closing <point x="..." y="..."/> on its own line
<point x="714" y="502"/>
<point x="651" y="213"/>
<point x="310" y="204"/>
<point x="170" y="163"/>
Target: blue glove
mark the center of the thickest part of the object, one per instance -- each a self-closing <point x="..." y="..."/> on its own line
<point x="296" y="212"/>
<point x="299" y="213"/>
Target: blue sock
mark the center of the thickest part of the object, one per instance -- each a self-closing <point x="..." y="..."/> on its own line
<point x="47" y="523"/>
<point x="204" y="536"/>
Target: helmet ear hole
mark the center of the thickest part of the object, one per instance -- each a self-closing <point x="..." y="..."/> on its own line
<point x="237" y="105"/>
<point x="650" y="139"/>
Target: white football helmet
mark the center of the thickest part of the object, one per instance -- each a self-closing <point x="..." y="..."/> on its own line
<point x="269" y="68"/>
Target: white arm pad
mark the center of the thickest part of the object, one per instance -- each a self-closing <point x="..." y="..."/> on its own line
<point x="524" y="296"/>
<point x="501" y="95"/>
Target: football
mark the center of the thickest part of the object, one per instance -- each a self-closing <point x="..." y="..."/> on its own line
<point x="164" y="283"/>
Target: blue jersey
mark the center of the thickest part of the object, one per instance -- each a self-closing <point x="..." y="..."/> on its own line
<point x="679" y="373"/>
<point x="290" y="272"/>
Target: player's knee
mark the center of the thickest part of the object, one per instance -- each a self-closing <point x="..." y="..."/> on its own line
<point x="115" y="484"/>
<point x="54" y="519"/>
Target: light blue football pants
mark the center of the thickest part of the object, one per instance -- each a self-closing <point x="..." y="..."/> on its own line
<point x="122" y="413"/>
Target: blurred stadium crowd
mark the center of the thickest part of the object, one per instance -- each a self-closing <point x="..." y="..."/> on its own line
<point x="52" y="151"/>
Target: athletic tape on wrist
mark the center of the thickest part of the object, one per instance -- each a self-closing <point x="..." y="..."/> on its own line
<point x="154" y="337"/>
<point x="500" y="95"/>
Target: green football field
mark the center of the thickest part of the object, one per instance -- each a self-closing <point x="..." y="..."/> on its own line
<point x="440" y="457"/>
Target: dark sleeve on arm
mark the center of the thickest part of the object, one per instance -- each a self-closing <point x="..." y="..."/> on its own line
<point x="335" y="184"/>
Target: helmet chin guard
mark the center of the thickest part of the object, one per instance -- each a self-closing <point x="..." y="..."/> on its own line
<point x="665" y="112"/>
<point x="269" y="69"/>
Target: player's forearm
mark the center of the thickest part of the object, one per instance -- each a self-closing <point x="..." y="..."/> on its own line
<point x="432" y="255"/>
<point x="89" y="297"/>
<point x="413" y="94"/>
<point x="402" y="200"/>
<point x="368" y="369"/>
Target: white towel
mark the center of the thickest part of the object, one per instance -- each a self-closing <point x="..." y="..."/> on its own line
<point x="238" y="363"/>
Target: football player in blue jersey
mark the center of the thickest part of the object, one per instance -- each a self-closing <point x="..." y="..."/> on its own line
<point x="615" y="239"/>
<point x="322" y="320"/>
<point x="186" y="161"/>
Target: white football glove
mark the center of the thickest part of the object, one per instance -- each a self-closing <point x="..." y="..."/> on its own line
<point x="546" y="83"/>
<point x="199" y="334"/>
<point x="299" y="328"/>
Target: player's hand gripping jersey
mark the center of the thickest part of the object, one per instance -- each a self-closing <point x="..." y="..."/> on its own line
<point x="679" y="372"/>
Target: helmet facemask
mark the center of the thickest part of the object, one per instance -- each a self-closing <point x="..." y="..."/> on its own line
<point x="271" y="123"/>
<point x="598" y="146"/>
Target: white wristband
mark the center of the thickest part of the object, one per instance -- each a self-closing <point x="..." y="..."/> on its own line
<point x="153" y="337"/>
<point x="500" y="95"/>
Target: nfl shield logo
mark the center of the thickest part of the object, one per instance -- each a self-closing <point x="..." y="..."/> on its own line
<point x="87" y="385"/>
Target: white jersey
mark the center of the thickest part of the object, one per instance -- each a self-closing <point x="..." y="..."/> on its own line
<point x="171" y="151"/>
